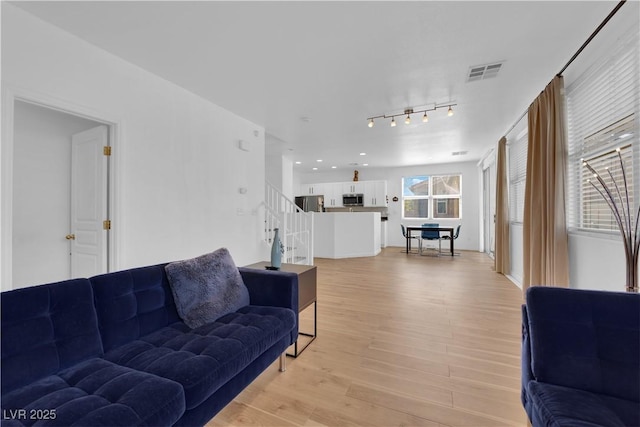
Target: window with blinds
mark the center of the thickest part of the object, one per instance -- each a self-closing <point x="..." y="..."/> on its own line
<point x="602" y="113"/>
<point x="517" y="158"/>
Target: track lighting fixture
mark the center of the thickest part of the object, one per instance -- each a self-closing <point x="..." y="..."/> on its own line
<point x="409" y="111"/>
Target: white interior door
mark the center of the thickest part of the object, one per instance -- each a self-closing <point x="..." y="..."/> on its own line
<point x="88" y="237"/>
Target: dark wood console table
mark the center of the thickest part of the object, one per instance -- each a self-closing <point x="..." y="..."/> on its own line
<point x="307" y="295"/>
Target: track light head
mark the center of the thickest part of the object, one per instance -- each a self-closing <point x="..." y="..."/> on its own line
<point x="425" y="119"/>
<point x="407" y="121"/>
<point x="450" y="112"/>
<point x="393" y="122"/>
<point x="370" y="123"/>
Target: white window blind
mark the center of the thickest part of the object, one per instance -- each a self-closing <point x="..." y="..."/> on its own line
<point x="594" y="211"/>
<point x="517" y="158"/>
<point x="602" y="112"/>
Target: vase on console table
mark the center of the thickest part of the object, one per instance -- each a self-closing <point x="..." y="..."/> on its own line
<point x="276" y="251"/>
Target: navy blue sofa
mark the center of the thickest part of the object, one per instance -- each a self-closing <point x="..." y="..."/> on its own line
<point x="581" y="357"/>
<point x="112" y="351"/>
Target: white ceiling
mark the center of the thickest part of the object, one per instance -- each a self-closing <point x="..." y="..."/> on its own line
<point x="312" y="72"/>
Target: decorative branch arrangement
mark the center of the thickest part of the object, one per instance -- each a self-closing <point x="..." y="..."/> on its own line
<point x="619" y="203"/>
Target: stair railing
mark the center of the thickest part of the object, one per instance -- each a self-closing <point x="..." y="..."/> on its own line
<point x="295" y="225"/>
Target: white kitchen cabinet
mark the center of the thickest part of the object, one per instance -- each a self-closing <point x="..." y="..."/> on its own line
<point x="353" y="187"/>
<point x="312" y="189"/>
<point x="333" y="195"/>
<point x="375" y="194"/>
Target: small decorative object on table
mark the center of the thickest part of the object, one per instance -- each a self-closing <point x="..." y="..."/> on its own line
<point x="277" y="249"/>
<point x="621" y="208"/>
<point x="355" y="175"/>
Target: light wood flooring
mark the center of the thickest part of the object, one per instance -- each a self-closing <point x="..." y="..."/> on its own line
<point x="403" y="340"/>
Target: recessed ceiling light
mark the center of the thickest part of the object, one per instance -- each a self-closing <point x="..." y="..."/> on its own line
<point x="365" y="164"/>
<point x="319" y="160"/>
<point x="298" y="163"/>
<point x="333" y="167"/>
<point x="363" y="154"/>
<point x="315" y="169"/>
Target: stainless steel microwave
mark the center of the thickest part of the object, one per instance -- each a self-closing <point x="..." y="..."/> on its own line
<point x="352" y="199"/>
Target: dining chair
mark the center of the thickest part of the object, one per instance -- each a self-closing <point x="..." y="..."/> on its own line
<point x="455" y="236"/>
<point x="418" y="238"/>
<point x="431" y="235"/>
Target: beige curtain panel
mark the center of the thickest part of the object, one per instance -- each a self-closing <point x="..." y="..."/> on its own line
<point x="501" y="260"/>
<point x="546" y="257"/>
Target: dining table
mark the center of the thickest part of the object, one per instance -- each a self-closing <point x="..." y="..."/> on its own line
<point x="438" y="229"/>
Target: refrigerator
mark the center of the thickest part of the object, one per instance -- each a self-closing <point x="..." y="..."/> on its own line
<point x="310" y="203"/>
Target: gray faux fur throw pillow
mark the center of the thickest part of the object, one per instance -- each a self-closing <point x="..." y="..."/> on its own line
<point x="207" y="287"/>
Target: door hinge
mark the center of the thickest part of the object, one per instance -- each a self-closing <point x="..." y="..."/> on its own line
<point x="106" y="224"/>
<point x="106" y="150"/>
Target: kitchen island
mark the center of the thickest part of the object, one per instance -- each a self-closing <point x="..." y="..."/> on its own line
<point x="346" y="234"/>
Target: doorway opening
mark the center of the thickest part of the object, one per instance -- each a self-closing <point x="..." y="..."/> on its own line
<point x="60" y="198"/>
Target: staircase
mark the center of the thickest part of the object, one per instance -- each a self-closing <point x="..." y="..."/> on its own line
<point x="295" y="226"/>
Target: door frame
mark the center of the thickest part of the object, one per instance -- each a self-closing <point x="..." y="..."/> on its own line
<point x="487" y="162"/>
<point x="9" y="96"/>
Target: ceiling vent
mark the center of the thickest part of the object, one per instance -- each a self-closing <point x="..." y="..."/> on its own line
<point x="483" y="72"/>
<point x="458" y="153"/>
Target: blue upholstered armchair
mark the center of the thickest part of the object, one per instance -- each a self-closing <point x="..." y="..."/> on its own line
<point x="581" y="357"/>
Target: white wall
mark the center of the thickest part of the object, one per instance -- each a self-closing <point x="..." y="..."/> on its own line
<point x="176" y="158"/>
<point x="469" y="233"/>
<point x="273" y="162"/>
<point x="596" y="262"/>
<point x="278" y="166"/>
<point x="287" y="178"/>
<point x="42" y="192"/>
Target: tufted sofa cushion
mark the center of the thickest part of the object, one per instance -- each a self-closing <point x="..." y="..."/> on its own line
<point x="132" y="303"/>
<point x="45" y="329"/>
<point x="95" y="393"/>
<point x="563" y="406"/>
<point x="588" y="340"/>
<point x="204" y="359"/>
